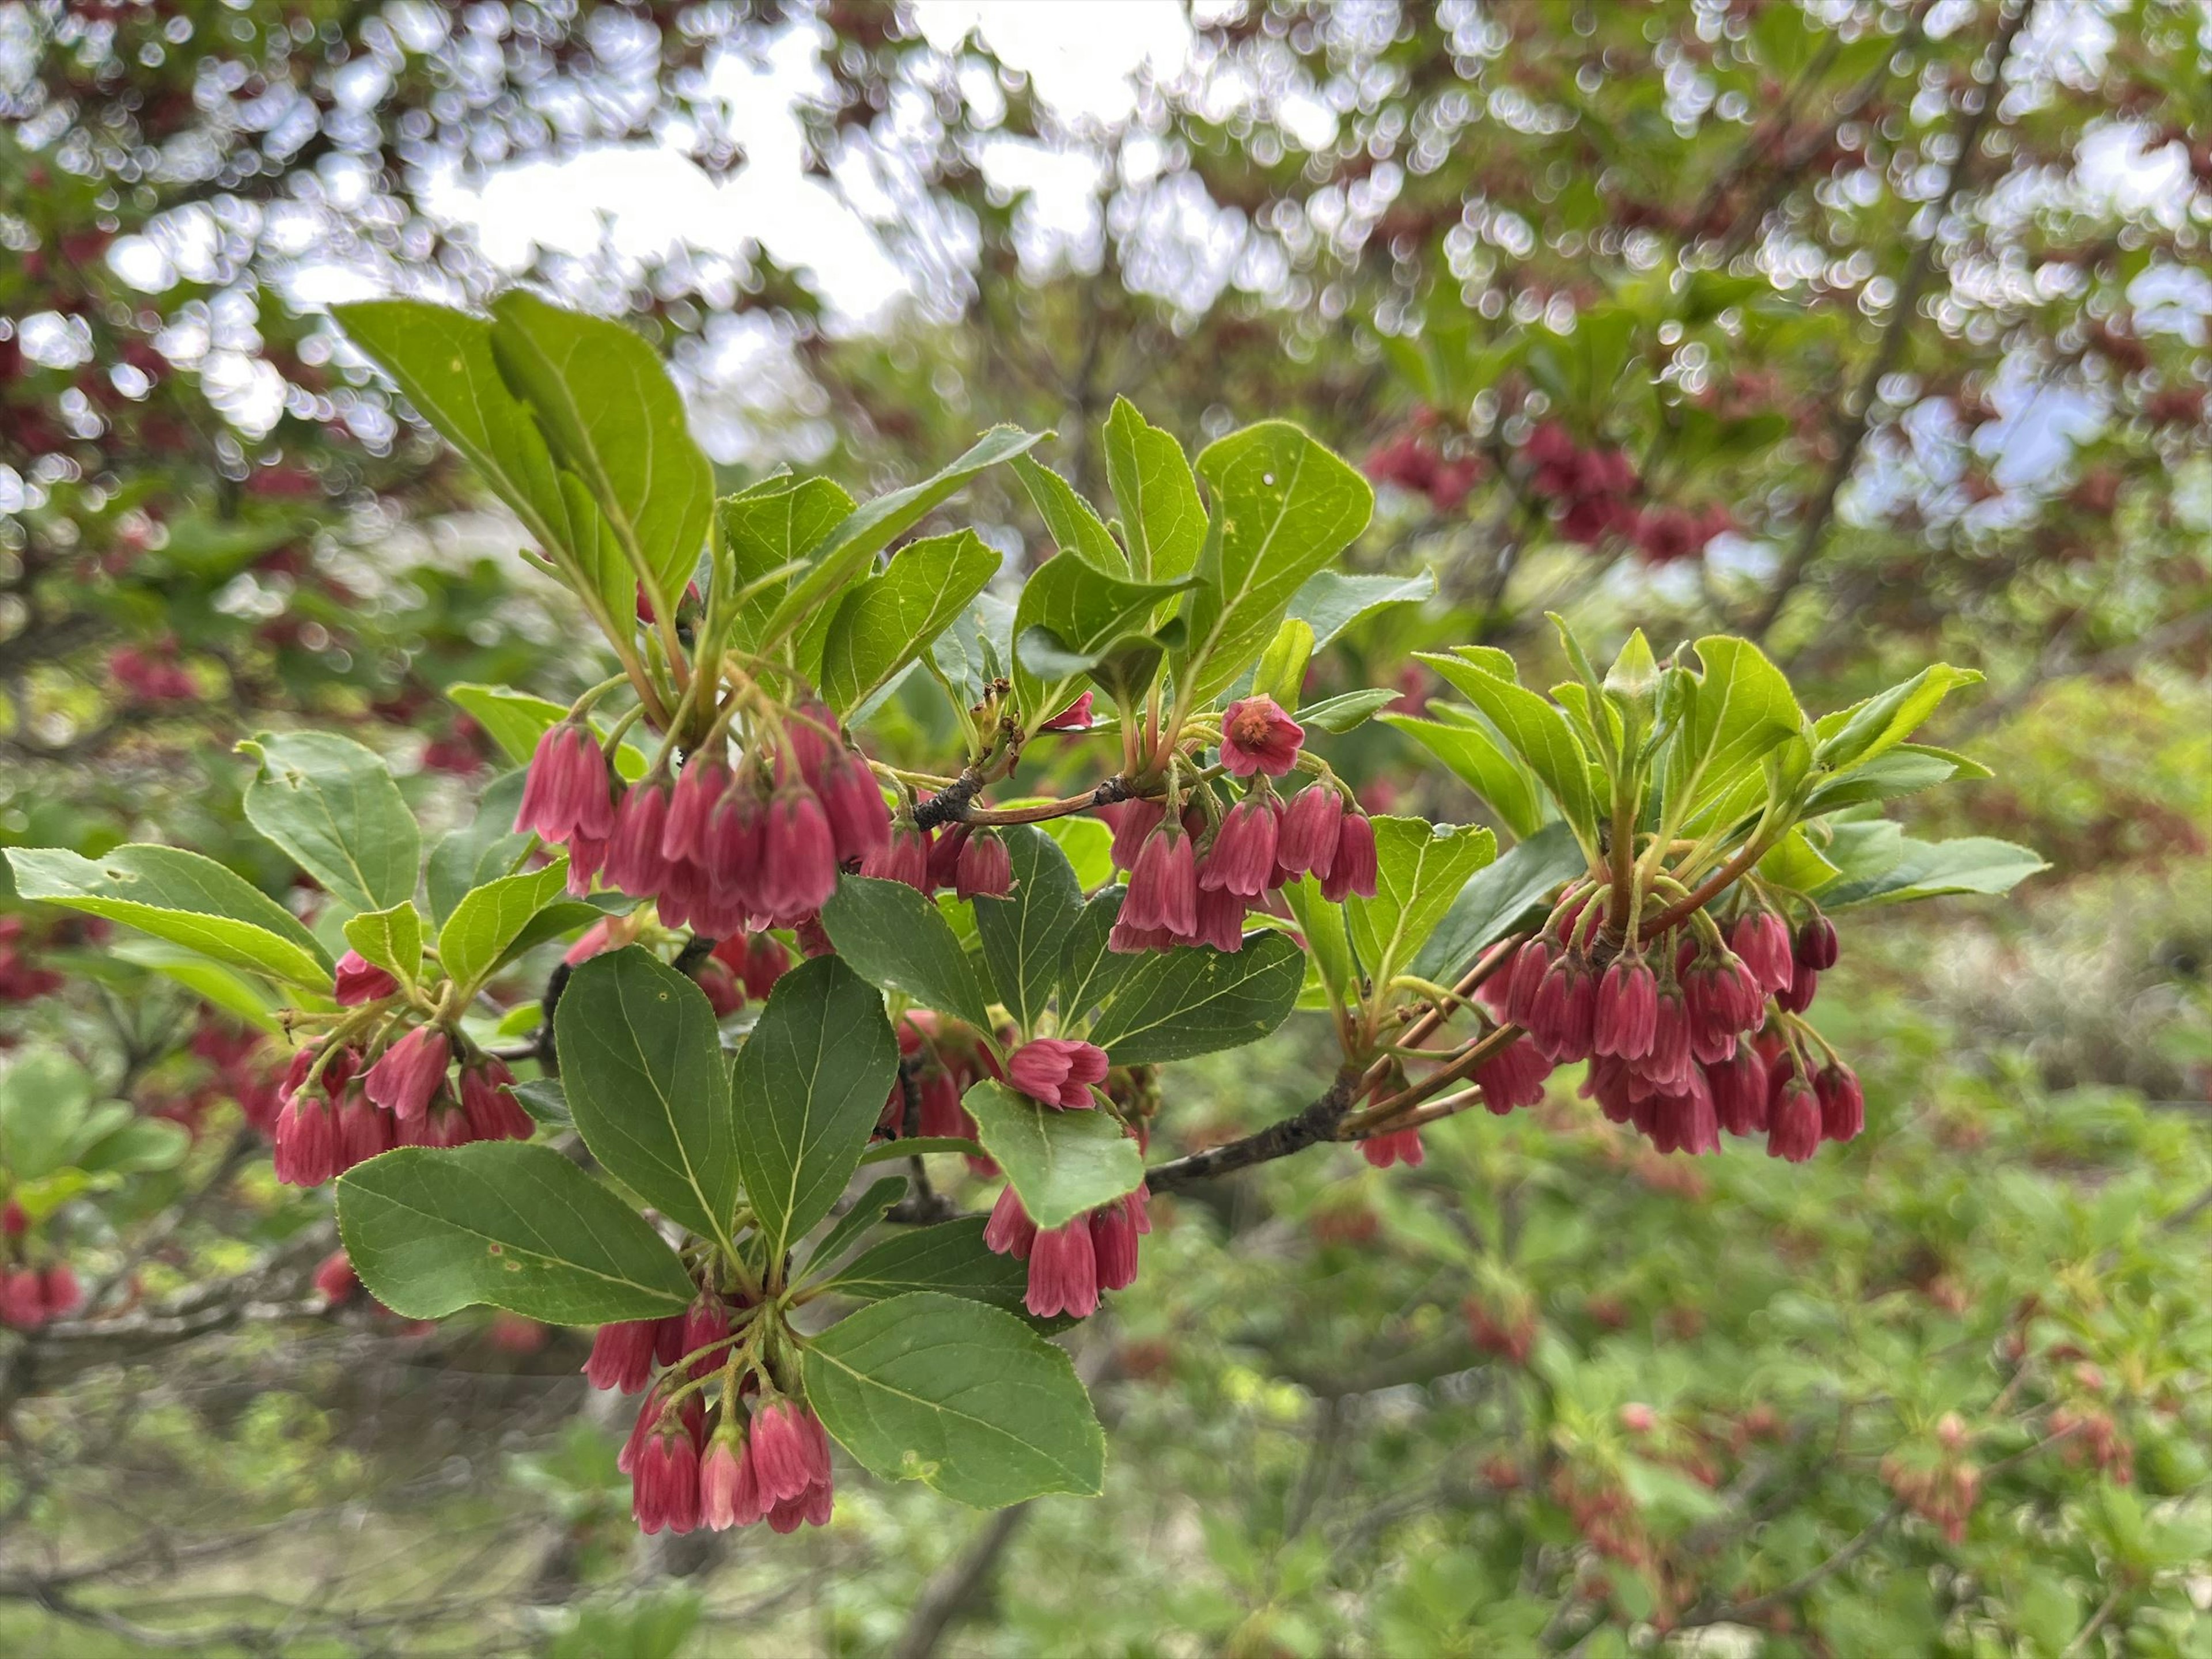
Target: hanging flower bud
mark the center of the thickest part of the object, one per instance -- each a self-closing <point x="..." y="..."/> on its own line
<point x="1563" y="1018"/>
<point x="1241" y="859"/>
<point x="766" y="961"/>
<point x="811" y="1507"/>
<point x="1738" y="1086"/>
<point x="1797" y="995"/>
<point x="1305" y="843"/>
<point x="1667" y="1065"/>
<point x="736" y="834"/>
<point x="1398" y="1146"/>
<point x="361" y="1131"/>
<point x="704" y="780"/>
<point x="1353" y="869"/>
<point x="1057" y="1071"/>
<point x="1010" y="1232"/>
<point x="410" y="1071"/>
<point x="635" y="861"/>
<point x="336" y="1278"/>
<point x="1793" y="1116"/>
<point x="1512" y="1077"/>
<point x="587" y="855"/>
<point x="1114" y="1229"/>
<point x="306" y="1149"/>
<point x="1816" y="945"/>
<point x="985" y="869"/>
<point x="1257" y="736"/>
<point x="1523" y="979"/>
<point x="1220" y="921"/>
<point x="1133" y="821"/>
<point x="1843" y="1103"/>
<point x="860" y="822"/>
<point x="904" y="857"/>
<point x="1063" y="1272"/>
<point x="1627" y="1009"/>
<point x="664" y="1483"/>
<point x="728" y="1494"/>
<point x="567" y="791"/>
<point x="359" y="980"/>
<point x="622" y="1355"/>
<point x="14" y="1220"/>
<point x="1683" y="1119"/>
<point x="942" y="1113"/>
<point x="443" y="1125"/>
<point x="798" y="865"/>
<point x="1761" y="940"/>
<point x="1164" y="887"/>
<point x="784" y="1451"/>
<point x="22" y="1299"/>
<point x="1076" y="717"/>
<point x="488" y="1102"/>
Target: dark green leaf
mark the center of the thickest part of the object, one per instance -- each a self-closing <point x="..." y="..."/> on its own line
<point x="1537" y="731"/>
<point x="863" y="1214"/>
<point x="1022" y="933"/>
<point x="333" y="805"/>
<point x="1499" y="898"/>
<point x="1420" y="869"/>
<point x="485" y="924"/>
<point x="1155" y="494"/>
<point x="892" y="618"/>
<point x="1062" y="1164"/>
<point x="546" y="1101"/>
<point x="1089" y="972"/>
<point x="1172" y="1005"/>
<point x="949" y="1257"/>
<point x="891" y="936"/>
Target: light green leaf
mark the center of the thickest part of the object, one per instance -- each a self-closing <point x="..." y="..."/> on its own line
<point x="1069" y="617"/>
<point x="1060" y="1162"/>
<point x="1281" y="674"/>
<point x="1287" y="507"/>
<point x="1851" y="737"/>
<point x="515" y="720"/>
<point x="45" y="1095"/>
<point x="959" y="1395"/>
<point x="484" y="850"/>
<point x="333" y="805"/>
<point x="1477" y="759"/>
<point x="767" y="532"/>
<point x="1970" y="864"/>
<point x="1156" y="495"/>
<point x="1794" y="863"/>
<point x="643" y="1073"/>
<point x="1331" y="601"/>
<point x="182" y="897"/>
<point x="505" y="1223"/>
<point x="949" y="1257"/>
<point x="392" y="939"/>
<point x="893" y="937"/>
<point x="892" y="618"/>
<point x="1500" y="897"/>
<point x="234" y="993"/>
<point x="812" y="1081"/>
<point x="1088" y="843"/>
<point x="1419" y="870"/>
<point x="1328" y="946"/>
<point x="1089" y="972"/>
<point x="485" y="924"/>
<point x="136" y="1147"/>
<point x="1072" y="522"/>
<point x="1740" y="709"/>
<point x="1346" y="711"/>
<point x="1022" y="933"/>
<point x="1171" y="1005"/>
<point x="1537" y="731"/>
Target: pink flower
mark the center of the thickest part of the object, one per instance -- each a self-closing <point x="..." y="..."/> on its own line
<point x="635" y="861"/>
<point x="1241" y="859"/>
<point x="359" y="980"/>
<point x="336" y="1277"/>
<point x="1063" y="1272"/>
<point x="736" y="838"/>
<point x="1738" y="1086"/>
<point x="904" y="857"/>
<point x="1797" y="995"/>
<point x="1816" y="946"/>
<point x="1220" y="922"/>
<point x="766" y="961"/>
<point x="1513" y="1077"/>
<point x="593" y="941"/>
<point x="665" y="1484"/>
<point x="362" y="1131"/>
<point x="59" y="1292"/>
<point x="1761" y="940"/>
<point x="622" y="1355"/>
<point x="706" y="1322"/>
<point x="1306" y="844"/>
<point x="1114" y="1231"/>
<point x="798" y="865"/>
<point x="1076" y="717"/>
<point x="1398" y="1146"/>
<point x="704" y="781"/>
<point x="1843" y="1103"/>
<point x="788" y="1451"/>
<point x="1257" y="736"/>
<point x="1057" y="1071"/>
<point x="1352" y="868"/>
<point x="1627" y="1007"/>
<point x="567" y="791"/>
<point x="488" y="1102"/>
<point x="1668" y="1062"/>
<point x="1010" y="1232"/>
<point x="1133" y="821"/>
<point x="306" y="1150"/>
<point x="728" y="1494"/>
<point x="1563" y="1018"/>
<point x="411" y="1071"/>
<point x="985" y="869"/>
<point x="1683" y="1119"/>
<point x="1793" y="1115"/>
<point x="1164" y="887"/>
<point x="22" y="1299"/>
<point x="586" y="854"/>
<point x="860" y="822"/>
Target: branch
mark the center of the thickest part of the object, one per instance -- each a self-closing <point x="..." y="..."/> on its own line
<point x="1743" y="1612"/>
<point x="1317" y="1123"/>
<point x="951" y="1589"/>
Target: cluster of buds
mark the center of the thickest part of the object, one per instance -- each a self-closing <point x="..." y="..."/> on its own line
<point x="754" y="1454"/>
<point x="337" y="1107"/>
<point x="1942" y="1488"/>
<point x="1687" y="1035"/>
<point x="1597" y="491"/>
<point x="1413" y="462"/>
<point x="21" y="979"/>
<point x="973" y="863"/>
<point x="1070" y="1265"/>
<point x="30" y="1296"/>
<point x="1192" y="876"/>
<point x="722" y="850"/>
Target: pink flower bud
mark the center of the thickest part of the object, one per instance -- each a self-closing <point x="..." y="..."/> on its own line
<point x="364" y="1131"/>
<point x="766" y="961"/>
<point x="1513" y="1077"/>
<point x="1763" y="943"/>
<point x="942" y="1113"/>
<point x="1010" y="1232"/>
<point x="1682" y="1120"/>
<point x="705" y="779"/>
<point x="22" y="1299"/>
<point x="860" y="822"/>
<point x="411" y="1071"/>
<point x="1306" y="842"/>
<point x="728" y="1494"/>
<point x="1816" y="946"/>
<point x="1114" y="1231"/>
<point x="622" y="1355"/>
<point x="1524" y="979"/>
<point x="1257" y="736"/>
<point x="1220" y="921"/>
<point x="1164" y="887"/>
<point x="985" y="869"/>
<point x="59" y="1292"/>
<point x="799" y="864"/>
<point x="1668" y="1062"/>
<point x="904" y="857"/>
<point x="1627" y="1009"/>
<point x="736" y="838"/>
<point x="336" y="1278"/>
<point x="787" y="1451"/>
<point x="813" y="738"/>
<point x="706" y="1322"/>
<point x="1397" y="1147"/>
<point x="359" y="980"/>
<point x="567" y="791"/>
<point x="635" y="862"/>
<point x="1562" y="1019"/>
<point x="664" y="1485"/>
<point x="1797" y="995"/>
<point x="1793" y="1117"/>
<point x="1353" y="870"/>
<point x="1063" y="1272"/>
<point x="1133" y="822"/>
<point x="1843" y="1103"/>
<point x="488" y="1102"/>
<point x="587" y="855"/>
<point x="1738" y="1086"/>
<point x="306" y="1149"/>
<point x="1057" y="1071"/>
<point x="14" y="1221"/>
<point x="1243" y="857"/>
<point x="1076" y="717"/>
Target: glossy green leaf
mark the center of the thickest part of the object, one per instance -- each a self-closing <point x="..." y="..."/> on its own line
<point x="1068" y="616"/>
<point x="811" y="1083"/>
<point x="1970" y="864"/>
<point x="949" y="1257"/>
<point x="643" y="1076"/>
<point x="486" y="923"/>
<point x="1072" y="522"/>
<point x="506" y="1224"/>
<point x="1171" y="1005"/>
<point x="767" y="532"/>
<point x="892" y="618"/>
<point x="1331" y="601"/>
<point x="1852" y="737"/>
<point x="893" y="937"/>
<point x="1155" y="494"/>
<point x="249" y="997"/>
<point x="1282" y="671"/>
<point x="1328" y="947"/>
<point x="1061" y="1163"/>
<point x="1472" y="756"/>
<point x="516" y="719"/>
<point x="1500" y="897"/>
<point x="1089" y="971"/>
<point x="1419" y="870"/>
<point x="1346" y="711"/>
<point x="392" y="939"/>
<point x="1537" y="731"/>
<point x="1022" y="933"/>
<point x="1740" y="709"/>
<point x="182" y="897"/>
<point x="846" y="1230"/>
<point x="959" y="1395"/>
<point x="333" y="805"/>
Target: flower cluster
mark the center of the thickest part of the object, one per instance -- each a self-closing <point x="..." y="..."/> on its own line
<point x="1413" y="462"/>
<point x="337" y="1107"/>
<point x="21" y="979"/>
<point x="1070" y="1265"/>
<point x="723" y="850"/>
<point x="1597" y="493"/>
<point x="974" y="863"/>
<point x="754" y="1454"/>
<point x="30" y="1296"/>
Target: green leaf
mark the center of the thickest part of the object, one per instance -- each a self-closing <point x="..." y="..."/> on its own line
<point x="1478" y="760"/>
<point x="1331" y="601"/>
<point x="392" y="939"/>
<point x="1905" y="769"/>
<point x="1089" y="971"/>
<point x="507" y="1224"/>
<point x="959" y="1395"/>
<point x="1281" y="674"/>
<point x="611" y="417"/>
<point x="1156" y="495"/>
<point x="333" y="805"/>
<point x="869" y="1210"/>
<point x="515" y="720"/>
<point x="1346" y="710"/>
<point x="546" y="1101"/>
<point x="136" y="1147"/>
<point x="1537" y="731"/>
<point x="1088" y="843"/>
<point x="767" y="532"/>
<point x="1069" y="617"/>
<point x="234" y="993"/>
<point x="1499" y="898"/>
<point x="1794" y="863"/>
<point x="811" y="1083"/>
<point x="1328" y="946"/>
<point x="1060" y="1162"/>
<point x="482" y="850"/>
<point x="642" y="1073"/>
<point x="1022" y="933"/>
<point x="891" y="936"/>
<point x="1851" y="737"/>
<point x="1072" y="522"/>
<point x="1970" y="864"/>
<point x="1740" y="709"/>
<point x="978" y="648"/>
<point x="43" y="1098"/>
<point x="182" y="897"/>
<point x="1171" y="1005"/>
<point x="892" y="618"/>
<point x="486" y="923"/>
<point x="1286" y="507"/>
<point x="883" y="1151"/>
<point x="1419" y="870"/>
<point x="846" y="551"/>
<point x="949" y="1257"/>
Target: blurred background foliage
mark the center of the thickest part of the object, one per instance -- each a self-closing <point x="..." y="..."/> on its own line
<point x="1874" y="330"/>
